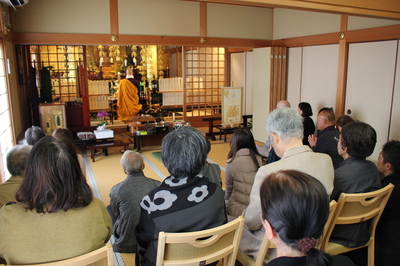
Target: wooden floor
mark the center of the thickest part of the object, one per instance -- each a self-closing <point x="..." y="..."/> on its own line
<point x="106" y="172"/>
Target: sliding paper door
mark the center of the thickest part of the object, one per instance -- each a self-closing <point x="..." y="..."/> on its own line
<point x="371" y="72"/>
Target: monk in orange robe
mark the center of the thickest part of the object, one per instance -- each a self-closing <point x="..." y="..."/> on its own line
<point x="128" y="100"/>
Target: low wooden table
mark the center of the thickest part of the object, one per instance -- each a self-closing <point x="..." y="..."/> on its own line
<point x="210" y="120"/>
<point x="105" y="145"/>
<point x="154" y="138"/>
<point x="224" y="130"/>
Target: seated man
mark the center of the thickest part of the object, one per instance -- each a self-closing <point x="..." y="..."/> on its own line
<point x="387" y="234"/>
<point x="285" y="129"/>
<point x="185" y="201"/>
<point x="266" y="150"/>
<point x="16" y="160"/>
<point x="124" y="201"/>
<point x="326" y="143"/>
<point x="33" y="134"/>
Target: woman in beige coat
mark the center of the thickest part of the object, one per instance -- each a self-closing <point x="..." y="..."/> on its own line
<point x="241" y="167"/>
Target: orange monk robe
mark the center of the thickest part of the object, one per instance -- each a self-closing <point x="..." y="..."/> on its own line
<point x="128" y="100"/>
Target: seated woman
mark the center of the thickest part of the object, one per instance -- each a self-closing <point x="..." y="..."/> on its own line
<point x="184" y="201"/>
<point x="56" y="216"/>
<point x="66" y="133"/>
<point x="295" y="208"/>
<point x="355" y="175"/>
<point x="241" y="167"/>
<point x="305" y="111"/>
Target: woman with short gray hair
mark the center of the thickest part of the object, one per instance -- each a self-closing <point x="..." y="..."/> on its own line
<point x="185" y="201"/>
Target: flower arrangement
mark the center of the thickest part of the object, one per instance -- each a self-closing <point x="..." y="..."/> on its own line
<point x="101" y="115"/>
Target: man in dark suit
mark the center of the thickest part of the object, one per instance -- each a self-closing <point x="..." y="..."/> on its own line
<point x="387" y="234"/>
<point x="326" y="142"/>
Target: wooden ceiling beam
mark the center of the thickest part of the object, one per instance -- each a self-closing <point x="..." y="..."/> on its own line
<point x="105" y="39"/>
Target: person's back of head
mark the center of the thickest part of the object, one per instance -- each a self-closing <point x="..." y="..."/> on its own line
<point x="296" y="206"/>
<point x="243" y="138"/>
<point x="282" y="103"/>
<point x="66" y="134"/>
<point x="184" y="152"/>
<point x="306" y="109"/>
<point x="325" y="109"/>
<point x="391" y="154"/>
<point x="359" y="138"/>
<point x="132" y="162"/>
<point x="63" y="133"/>
<point x="33" y="134"/>
<point x="286" y="123"/>
<point x="343" y="120"/>
<point x="328" y="115"/>
<point x="16" y="159"/>
<point x="53" y="178"/>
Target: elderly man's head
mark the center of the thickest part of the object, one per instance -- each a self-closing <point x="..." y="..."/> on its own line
<point x="285" y="128"/>
<point x="184" y="152"/>
<point x="325" y="119"/>
<point x="282" y="103"/>
<point x="16" y="159"/>
<point x="33" y="134"/>
<point x="132" y="162"/>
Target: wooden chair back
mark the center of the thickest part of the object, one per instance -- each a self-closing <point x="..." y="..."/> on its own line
<point x="99" y="257"/>
<point x="332" y="208"/>
<point x="201" y="247"/>
<point x="357" y="208"/>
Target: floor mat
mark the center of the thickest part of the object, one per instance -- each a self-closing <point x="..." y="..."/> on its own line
<point x="157" y="155"/>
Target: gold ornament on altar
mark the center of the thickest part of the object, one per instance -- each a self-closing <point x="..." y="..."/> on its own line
<point x="58" y="119"/>
<point x="47" y="124"/>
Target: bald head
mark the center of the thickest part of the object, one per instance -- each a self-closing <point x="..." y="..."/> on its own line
<point x="325" y="119"/>
<point x="282" y="103"/>
<point x="132" y="162"/>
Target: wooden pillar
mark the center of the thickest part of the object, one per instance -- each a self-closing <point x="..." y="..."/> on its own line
<point x="114" y="27"/>
<point x="342" y="69"/>
<point x="203" y="19"/>
<point x="278" y="75"/>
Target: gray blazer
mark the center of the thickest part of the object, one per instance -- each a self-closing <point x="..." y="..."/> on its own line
<point x="124" y="201"/>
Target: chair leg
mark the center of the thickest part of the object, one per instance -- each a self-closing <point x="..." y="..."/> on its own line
<point x="371" y="254"/>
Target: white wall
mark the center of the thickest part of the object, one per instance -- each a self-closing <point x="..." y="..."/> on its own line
<point x="295" y="23"/>
<point x="159" y="17"/>
<point x="261" y="90"/>
<point x="143" y="17"/>
<point x="178" y="18"/>
<point x="230" y="21"/>
<point x="358" y="23"/>
<point x="62" y="16"/>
